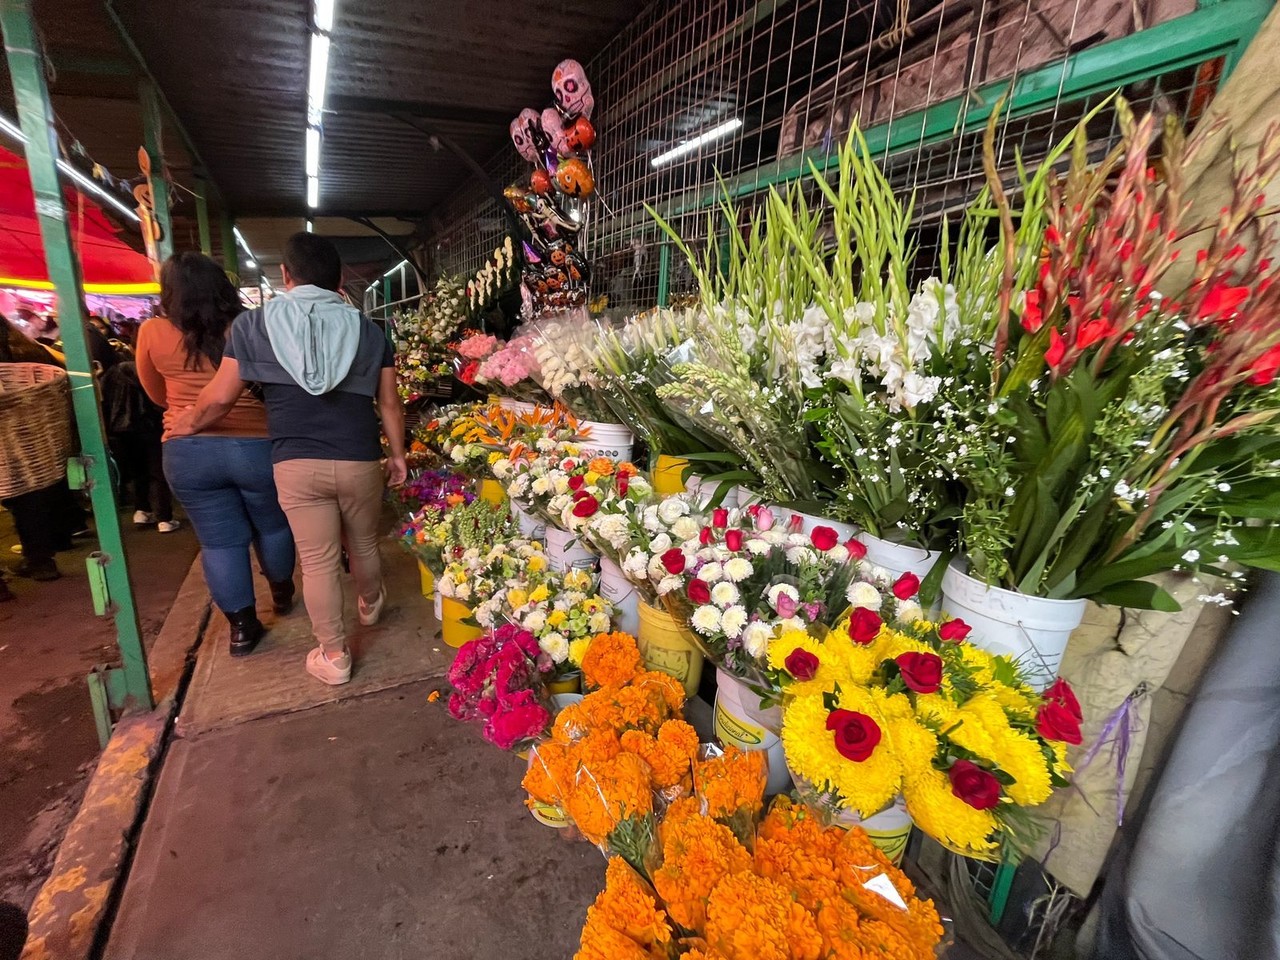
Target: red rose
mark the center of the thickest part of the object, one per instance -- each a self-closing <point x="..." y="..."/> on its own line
<point x="864" y="625"/>
<point x="802" y="665"/>
<point x="576" y="482"/>
<point x="795" y="524"/>
<point x="1061" y="693"/>
<point x="733" y="539"/>
<point x="719" y="518"/>
<point x="586" y="507"/>
<point x="824" y="538"/>
<point x="953" y="631"/>
<point x="698" y="591"/>
<point x="857" y="735"/>
<point x="624" y="481"/>
<point x="674" y="561"/>
<point x="921" y="672"/>
<point x="975" y="786"/>
<point x="906" y="586"/>
<point x="1056" y="722"/>
<point x="705" y="536"/>
<point x="857" y="549"/>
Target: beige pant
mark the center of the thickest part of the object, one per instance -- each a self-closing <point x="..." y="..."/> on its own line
<point x="331" y="503"/>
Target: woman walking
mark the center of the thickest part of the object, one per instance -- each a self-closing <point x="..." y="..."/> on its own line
<point x="222" y="476"/>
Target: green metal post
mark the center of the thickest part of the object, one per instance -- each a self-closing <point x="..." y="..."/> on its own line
<point x="664" y="274"/>
<point x="202" y="218"/>
<point x="230" y="252"/>
<point x="153" y="141"/>
<point x="386" y="292"/>
<point x="27" y="66"/>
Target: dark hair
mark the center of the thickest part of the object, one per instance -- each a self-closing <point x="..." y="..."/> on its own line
<point x="199" y="299"/>
<point x="314" y="260"/>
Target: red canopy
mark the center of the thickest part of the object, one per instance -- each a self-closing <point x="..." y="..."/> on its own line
<point x="108" y="264"/>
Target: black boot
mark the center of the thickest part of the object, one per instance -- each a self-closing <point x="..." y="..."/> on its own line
<point x="282" y="596"/>
<point x="246" y="631"/>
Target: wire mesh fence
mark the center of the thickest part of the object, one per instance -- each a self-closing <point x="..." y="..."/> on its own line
<point x="696" y="98"/>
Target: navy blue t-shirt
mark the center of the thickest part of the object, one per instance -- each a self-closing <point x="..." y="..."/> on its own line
<point x="338" y="425"/>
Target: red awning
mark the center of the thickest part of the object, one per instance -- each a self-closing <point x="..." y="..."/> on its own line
<point x="109" y="265"/>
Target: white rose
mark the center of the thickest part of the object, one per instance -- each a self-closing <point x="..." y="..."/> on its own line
<point x="656" y="570"/>
<point x="863" y="594"/>
<point x="447" y="587"/>
<point x="909" y="611"/>
<point x="732" y="621"/>
<point x="671" y="510"/>
<point x="711" y="573"/>
<point x="560" y="483"/>
<point x="686" y="528"/>
<point x="724" y="594"/>
<point x="462" y="591"/>
<point x="738" y="569"/>
<point x="555" y="646"/>
<point x="756" y="637"/>
<point x="706" y="620"/>
<point x="660" y="544"/>
<point x="639" y="487"/>
<point x="650" y="519"/>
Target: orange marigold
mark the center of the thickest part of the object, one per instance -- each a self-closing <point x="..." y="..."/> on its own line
<point x="550" y="773"/>
<point x="697" y="854"/>
<point x="601" y="942"/>
<point x="663" y="684"/>
<point x="606" y="792"/>
<point x="612" y="658"/>
<point x="602" y="465"/>
<point x="750" y="917"/>
<point x="627" y="905"/>
<point x="733" y="781"/>
<point x="859" y="860"/>
<point x="669" y="754"/>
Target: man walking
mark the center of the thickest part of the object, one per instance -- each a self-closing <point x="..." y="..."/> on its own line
<point x="321" y="365"/>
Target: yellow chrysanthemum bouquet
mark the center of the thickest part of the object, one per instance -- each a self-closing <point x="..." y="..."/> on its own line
<point x="874" y="711"/>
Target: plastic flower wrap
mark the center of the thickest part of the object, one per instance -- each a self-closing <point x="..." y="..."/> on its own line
<point x="563" y="348"/>
<point x="730" y="785"/>
<point x="512" y="370"/>
<point x="440" y="489"/>
<point x="498" y="682"/>
<point x="874" y="710"/>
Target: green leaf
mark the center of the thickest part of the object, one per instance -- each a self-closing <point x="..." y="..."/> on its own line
<point x="1138" y="594"/>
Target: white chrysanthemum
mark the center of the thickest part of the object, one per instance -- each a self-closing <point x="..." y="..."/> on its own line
<point x="838" y="554"/>
<point x="780" y="589"/>
<point x="459" y="454"/>
<point x="667" y="584"/>
<point x="462" y="591"/>
<point x="738" y="569"/>
<point x="801" y="555"/>
<point x="555" y="646"/>
<point x="706" y="620"/>
<point x="732" y="621"/>
<point x="541" y="487"/>
<point x="660" y="544"/>
<point x="686" y="528"/>
<point x="447" y="587"/>
<point x="636" y="565"/>
<point x="791" y="623"/>
<point x="863" y="594"/>
<point x="909" y="611"/>
<point x="598" y="622"/>
<point x="757" y="547"/>
<point x="501" y="469"/>
<point x="671" y="510"/>
<point x="756" y="637"/>
<point x="535" y="621"/>
<point x="711" y="573"/>
<point x="724" y="594"/>
<point x="879" y="574"/>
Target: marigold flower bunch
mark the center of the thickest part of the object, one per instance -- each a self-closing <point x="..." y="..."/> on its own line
<point x="625" y="920"/>
<point x="613" y="660"/>
<point x="730" y="785"/>
<point x="875" y="710"/>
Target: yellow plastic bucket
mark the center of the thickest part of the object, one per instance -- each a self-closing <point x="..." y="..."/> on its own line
<point x="492" y="491"/>
<point x="452" y="628"/>
<point x="549" y="815"/>
<point x="668" y="475"/>
<point x="570" y="683"/>
<point x="667" y="647"/>
<point x="428" y="580"/>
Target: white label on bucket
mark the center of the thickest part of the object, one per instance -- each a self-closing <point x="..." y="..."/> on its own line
<point x="884" y="886"/>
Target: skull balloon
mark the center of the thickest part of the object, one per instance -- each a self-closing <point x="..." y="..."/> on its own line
<point x="525" y="131"/>
<point x="553" y="127"/>
<point x="572" y="89"/>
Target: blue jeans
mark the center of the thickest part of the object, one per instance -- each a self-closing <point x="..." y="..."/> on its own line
<point x="226" y="486"/>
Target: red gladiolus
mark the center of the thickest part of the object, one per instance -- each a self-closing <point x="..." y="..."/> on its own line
<point x="1057" y="348"/>
<point x="733" y="539"/>
<point x="864" y="625"/>
<point x="1032" y="312"/>
<point x="674" y="561"/>
<point x="1062" y="694"/>
<point x="856" y="734"/>
<point x="906" y="586"/>
<point x="801" y="664"/>
<point x="975" y="786"/>
<point x="824" y="538"/>
<point x="953" y="631"/>
<point x="698" y="591"/>
<point x="586" y="507"/>
<point x="921" y="672"/>
<point x="1263" y="370"/>
<point x="575" y="483"/>
<point x="1091" y="331"/>
<point x="1222" y="301"/>
<point x="857" y="549"/>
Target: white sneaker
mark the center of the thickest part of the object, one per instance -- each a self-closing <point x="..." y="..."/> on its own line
<point x="168" y="526"/>
<point x="143" y="519"/>
<point x="370" y="613"/>
<point x="332" y="672"/>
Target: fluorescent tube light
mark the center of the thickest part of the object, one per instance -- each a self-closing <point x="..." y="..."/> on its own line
<point x="324" y="15"/>
<point x="251" y="263"/>
<point x="393" y="269"/>
<point x="313" y="191"/>
<point x="317" y="78"/>
<point x="715" y="133"/>
<point x="86" y="183"/>
<point x="311" y="227"/>
<point x="313" y="151"/>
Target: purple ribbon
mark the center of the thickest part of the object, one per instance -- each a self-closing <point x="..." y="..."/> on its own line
<point x="1118" y="731"/>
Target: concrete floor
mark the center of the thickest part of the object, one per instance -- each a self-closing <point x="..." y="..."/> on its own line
<point x="49" y="641"/>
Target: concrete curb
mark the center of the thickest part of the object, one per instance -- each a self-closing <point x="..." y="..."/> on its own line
<point x="69" y="912"/>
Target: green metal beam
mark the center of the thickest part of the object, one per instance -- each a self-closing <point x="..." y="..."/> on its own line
<point x="230" y="252"/>
<point x="664" y="274"/>
<point x="202" y="218"/>
<point x="153" y="143"/>
<point x="1223" y="29"/>
<point x="27" y="66"/>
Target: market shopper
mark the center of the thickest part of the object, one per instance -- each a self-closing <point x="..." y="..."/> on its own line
<point x="322" y="365"/>
<point x="221" y="473"/>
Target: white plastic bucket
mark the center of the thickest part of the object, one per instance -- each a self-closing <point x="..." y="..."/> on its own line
<point x="438" y="605"/>
<point x="622" y="593"/>
<point x="746" y="497"/>
<point x="611" y="440"/>
<point x="1032" y="630"/>
<point x="740" y="721"/>
<point x="566" y="552"/>
<point x="890" y="829"/>
<point x="898" y="558"/>
<point x="531" y="528"/>
<point x="703" y="491"/>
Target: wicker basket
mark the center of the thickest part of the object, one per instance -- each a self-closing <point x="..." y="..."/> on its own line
<point x="35" y="426"/>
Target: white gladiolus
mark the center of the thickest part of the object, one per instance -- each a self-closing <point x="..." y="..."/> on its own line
<point x="706" y="620"/>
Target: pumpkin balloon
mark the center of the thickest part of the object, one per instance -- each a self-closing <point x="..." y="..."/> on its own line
<point x="574" y="178"/>
<point x="523" y="134"/>
<point x="579" y="136"/>
<point x="540" y="181"/>
<point x="572" y="89"/>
